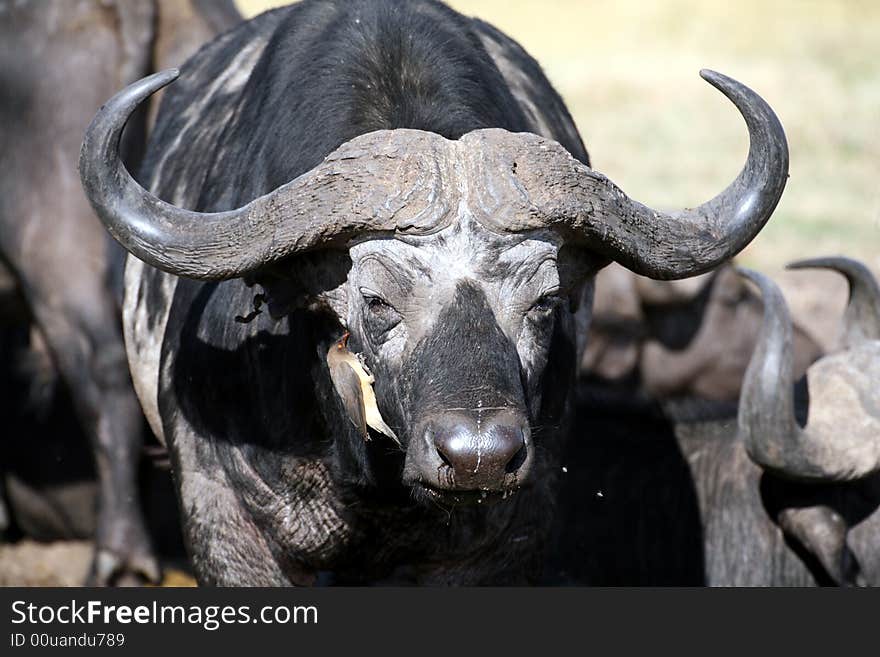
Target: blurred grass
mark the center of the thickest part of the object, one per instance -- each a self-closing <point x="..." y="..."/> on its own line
<point x="628" y="72"/>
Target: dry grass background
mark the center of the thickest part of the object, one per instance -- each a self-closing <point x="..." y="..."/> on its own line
<point x="628" y="72"/>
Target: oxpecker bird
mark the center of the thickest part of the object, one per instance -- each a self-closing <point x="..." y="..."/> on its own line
<point x="354" y="385"/>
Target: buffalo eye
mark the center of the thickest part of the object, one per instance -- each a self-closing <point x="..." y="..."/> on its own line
<point x="544" y="305"/>
<point x="377" y="306"/>
<point x="379" y="315"/>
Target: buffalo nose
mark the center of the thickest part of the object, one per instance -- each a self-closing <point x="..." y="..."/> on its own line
<point x="487" y="455"/>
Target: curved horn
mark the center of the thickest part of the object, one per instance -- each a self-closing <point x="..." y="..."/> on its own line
<point x="841" y="440"/>
<point x="862" y="316"/>
<point x="372" y="183"/>
<point x="590" y="209"/>
<point x="696" y="240"/>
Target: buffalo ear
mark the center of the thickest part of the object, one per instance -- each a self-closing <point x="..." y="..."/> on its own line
<point x="303" y="281"/>
<point x="575" y="266"/>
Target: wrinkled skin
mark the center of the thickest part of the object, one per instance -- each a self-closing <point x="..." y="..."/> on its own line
<point x="416" y="309"/>
<point x="66" y="271"/>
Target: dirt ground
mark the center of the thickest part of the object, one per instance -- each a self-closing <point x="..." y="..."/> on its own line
<point x="29" y="563"/>
<point x="60" y="563"/>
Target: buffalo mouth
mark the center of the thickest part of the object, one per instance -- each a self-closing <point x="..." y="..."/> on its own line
<point x="425" y="493"/>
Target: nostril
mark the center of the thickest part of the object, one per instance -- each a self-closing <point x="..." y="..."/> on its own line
<point x="444" y="458"/>
<point x="454" y="445"/>
<point x="439" y="446"/>
<point x="518" y="459"/>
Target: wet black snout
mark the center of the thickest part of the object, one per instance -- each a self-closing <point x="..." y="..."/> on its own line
<point x="478" y="451"/>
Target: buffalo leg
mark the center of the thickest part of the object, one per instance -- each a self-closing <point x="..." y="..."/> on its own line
<point x="87" y="347"/>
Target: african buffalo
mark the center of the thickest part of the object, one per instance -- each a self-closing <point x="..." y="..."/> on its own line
<point x="59" y="59"/>
<point x="679" y="339"/>
<point x="405" y="175"/>
<point x="828" y="463"/>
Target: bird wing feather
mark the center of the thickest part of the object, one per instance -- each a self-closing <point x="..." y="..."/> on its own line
<point x="348" y="386"/>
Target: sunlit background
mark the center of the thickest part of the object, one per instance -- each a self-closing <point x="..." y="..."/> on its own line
<point x="628" y="71"/>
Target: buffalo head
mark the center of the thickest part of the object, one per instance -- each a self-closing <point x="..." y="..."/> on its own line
<point x="467" y="263"/>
